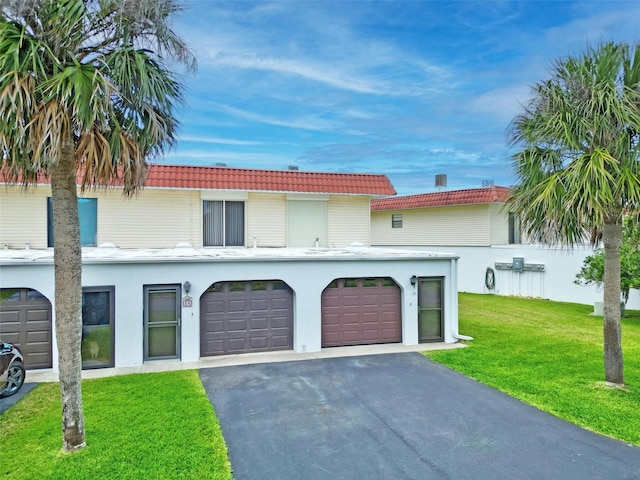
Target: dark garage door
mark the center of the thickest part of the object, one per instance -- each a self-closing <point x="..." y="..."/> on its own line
<point x="361" y="311"/>
<point x="25" y="319"/>
<point x="248" y="316"/>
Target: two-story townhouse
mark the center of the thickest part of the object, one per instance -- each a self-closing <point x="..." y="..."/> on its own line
<point x="211" y="261"/>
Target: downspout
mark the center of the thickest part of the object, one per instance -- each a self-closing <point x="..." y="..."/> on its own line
<point x="454" y="282"/>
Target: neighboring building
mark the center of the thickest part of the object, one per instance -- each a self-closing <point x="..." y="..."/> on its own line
<point x="476" y="225"/>
<point x="473" y="217"/>
<point x="212" y="261"/>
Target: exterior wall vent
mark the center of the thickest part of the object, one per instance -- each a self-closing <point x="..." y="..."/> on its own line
<point x="441" y="180"/>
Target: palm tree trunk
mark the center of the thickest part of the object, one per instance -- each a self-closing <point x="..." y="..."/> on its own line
<point x="612" y="240"/>
<point x="68" y="295"/>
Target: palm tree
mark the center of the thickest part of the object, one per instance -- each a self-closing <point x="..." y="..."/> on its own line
<point x="86" y="95"/>
<point x="578" y="165"/>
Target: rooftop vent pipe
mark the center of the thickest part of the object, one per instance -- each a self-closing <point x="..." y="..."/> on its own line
<point x="441" y="180"/>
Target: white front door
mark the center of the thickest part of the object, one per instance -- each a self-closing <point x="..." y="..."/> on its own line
<point x="306" y="223"/>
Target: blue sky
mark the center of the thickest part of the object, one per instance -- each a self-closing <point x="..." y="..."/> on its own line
<point x="409" y="89"/>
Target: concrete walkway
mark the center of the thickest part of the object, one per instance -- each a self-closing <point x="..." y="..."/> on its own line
<point x="49" y="375"/>
<point x="396" y="416"/>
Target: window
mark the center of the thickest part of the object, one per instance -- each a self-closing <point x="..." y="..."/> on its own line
<point x="514" y="228"/>
<point x="88" y="215"/>
<point x="237" y="286"/>
<point x="98" y="307"/>
<point x="396" y="220"/>
<point x="223" y="224"/>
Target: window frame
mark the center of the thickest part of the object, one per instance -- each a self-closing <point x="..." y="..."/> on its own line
<point x="397" y="220"/>
<point x="82" y="219"/>
<point x="515" y="229"/>
<point x="223" y="219"/>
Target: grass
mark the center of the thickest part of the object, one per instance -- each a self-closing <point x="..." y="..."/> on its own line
<point x="549" y="354"/>
<point x="147" y="426"/>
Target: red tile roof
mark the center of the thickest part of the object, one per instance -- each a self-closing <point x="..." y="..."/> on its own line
<point x="442" y="199"/>
<point x="224" y="178"/>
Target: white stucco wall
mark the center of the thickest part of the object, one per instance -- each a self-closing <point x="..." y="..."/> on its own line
<point x="307" y="272"/>
<point x="555" y="283"/>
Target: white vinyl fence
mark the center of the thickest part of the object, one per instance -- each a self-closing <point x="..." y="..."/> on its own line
<point x="548" y="272"/>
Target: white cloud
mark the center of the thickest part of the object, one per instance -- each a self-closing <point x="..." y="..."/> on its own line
<point x="503" y="103"/>
<point x="232" y="159"/>
<point x="309" y="122"/>
<point x="222" y="141"/>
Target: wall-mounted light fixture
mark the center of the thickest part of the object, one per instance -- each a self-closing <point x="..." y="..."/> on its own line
<point x="187" y="286"/>
<point x="414" y="280"/>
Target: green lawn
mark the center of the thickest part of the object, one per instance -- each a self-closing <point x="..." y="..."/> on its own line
<point x="150" y="426"/>
<point x="549" y="354"/>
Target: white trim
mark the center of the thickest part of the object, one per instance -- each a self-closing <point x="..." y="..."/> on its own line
<point x="223" y="195"/>
<point x="316" y="197"/>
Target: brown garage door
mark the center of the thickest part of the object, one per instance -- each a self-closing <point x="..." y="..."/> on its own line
<point x="361" y="311"/>
<point x="248" y="316"/>
<point x="25" y="319"/>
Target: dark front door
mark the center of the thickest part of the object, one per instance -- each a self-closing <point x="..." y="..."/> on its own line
<point x="162" y="321"/>
<point x="430" y="309"/>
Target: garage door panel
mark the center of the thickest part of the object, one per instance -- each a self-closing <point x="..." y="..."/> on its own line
<point x="215" y="345"/>
<point x="26" y="320"/>
<point x="9" y="317"/>
<point x="278" y="341"/>
<point x="370" y="317"/>
<point x="237" y="305"/>
<point x="213" y="307"/>
<point x="214" y="326"/>
<point x="258" y="324"/>
<point x="330" y="299"/>
<point x="365" y="312"/>
<point x="236" y="345"/>
<point x="259" y="304"/>
<point x="237" y="325"/>
<point x="258" y="343"/>
<point x="38" y="315"/>
<point x="280" y="322"/>
<point x="280" y="303"/>
<point x="253" y="319"/>
<point x="372" y="300"/>
<point x="38" y="358"/>
<point x="11" y="337"/>
<point x="38" y="338"/>
<point x="351" y="301"/>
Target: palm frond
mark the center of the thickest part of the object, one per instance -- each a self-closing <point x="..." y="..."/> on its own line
<point x="95" y="69"/>
<point x="579" y="158"/>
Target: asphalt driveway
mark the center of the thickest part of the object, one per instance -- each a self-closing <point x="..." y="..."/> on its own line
<point x="396" y="416"/>
<point x="7" y="402"/>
